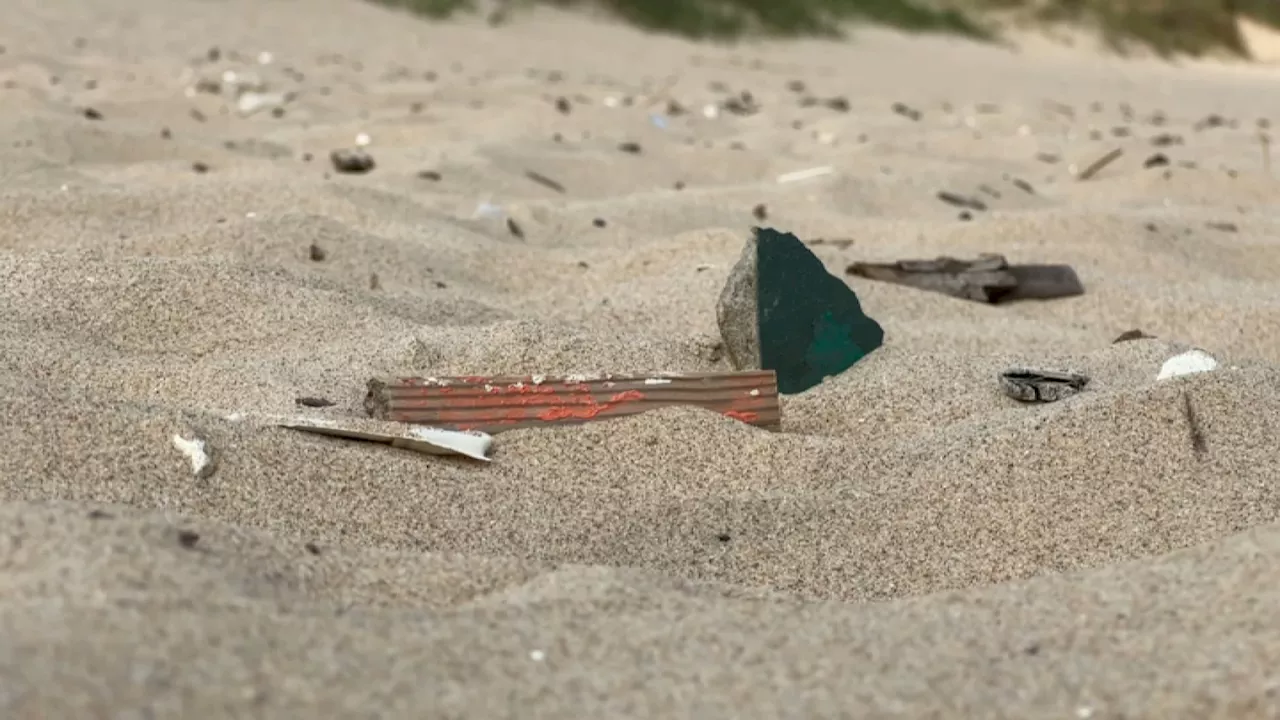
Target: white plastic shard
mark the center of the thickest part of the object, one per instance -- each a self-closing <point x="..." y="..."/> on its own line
<point x="197" y="452"/>
<point x="429" y="440"/>
<point x="1187" y="363"/>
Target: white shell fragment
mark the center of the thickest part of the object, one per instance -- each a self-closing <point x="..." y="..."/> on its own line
<point x="1188" y="363"/>
<point x="197" y="451"/>
<point x="1042" y="386"/>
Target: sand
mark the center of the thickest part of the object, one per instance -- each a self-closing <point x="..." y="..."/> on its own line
<point x="914" y="544"/>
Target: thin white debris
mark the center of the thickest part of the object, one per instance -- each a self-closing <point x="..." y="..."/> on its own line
<point x="1188" y="363"/>
<point x="429" y="440"/>
<point x="807" y="174"/>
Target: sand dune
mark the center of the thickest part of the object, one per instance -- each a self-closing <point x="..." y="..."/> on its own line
<point x="914" y="544"/>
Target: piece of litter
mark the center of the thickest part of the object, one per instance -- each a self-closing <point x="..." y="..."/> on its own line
<point x="197" y="452"/>
<point x="363" y="139"/>
<point x="659" y="121"/>
<point x="537" y="655"/>
<point x="808" y="174"/>
<point x="495" y="404"/>
<point x="781" y="310"/>
<point x="250" y="102"/>
<point x="429" y="440"/>
<point x="990" y="278"/>
<point x="1188" y="363"/>
<point x="1042" y="386"/>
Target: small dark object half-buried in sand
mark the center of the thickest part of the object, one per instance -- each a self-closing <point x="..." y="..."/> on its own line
<point x="495" y="404"/>
<point x="1026" y="385"/>
<point x="989" y="278"/>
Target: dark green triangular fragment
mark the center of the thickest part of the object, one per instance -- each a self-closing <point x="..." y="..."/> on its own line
<point x="811" y="323"/>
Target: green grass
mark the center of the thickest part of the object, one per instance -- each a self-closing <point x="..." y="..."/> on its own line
<point x="1168" y="27"/>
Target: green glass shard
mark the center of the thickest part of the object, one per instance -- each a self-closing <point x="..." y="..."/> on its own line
<point x="811" y="323"/>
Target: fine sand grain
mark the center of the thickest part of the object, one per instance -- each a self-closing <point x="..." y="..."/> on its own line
<point x="915" y="544"/>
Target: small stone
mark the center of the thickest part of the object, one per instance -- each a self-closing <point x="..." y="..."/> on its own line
<point x="351" y="161"/>
<point x="630" y="147"/>
<point x="317" y="253"/>
<point x="92" y="113"/>
<point x="314" y="402"/>
<point x="1129" y="335"/>
<point x="781" y="310"/>
<point x="1043" y="386"/>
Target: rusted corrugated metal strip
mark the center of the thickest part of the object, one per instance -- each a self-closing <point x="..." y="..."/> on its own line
<point x="494" y="404"/>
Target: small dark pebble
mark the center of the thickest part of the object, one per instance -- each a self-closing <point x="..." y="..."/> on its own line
<point x="351" y="161"/>
<point x="317" y="253"/>
<point x="514" y="228"/>
<point x="906" y="112"/>
<point x="961" y="201"/>
<point x="200" y="167"/>
<point x="679" y="185"/>
<point x="563" y="105"/>
<point x="188" y="538"/>
<point x="723" y="537"/>
<point x="1211" y="121"/>
<point x="544" y="181"/>
<point x="599" y="222"/>
<point x="965" y="216"/>
<point x="313" y="548"/>
<point x="92" y="113"/>
<point x="796" y="86"/>
<point x="431" y="175"/>
<point x="583" y="264"/>
<point x="1223" y="226"/>
<point x="375" y="283"/>
<point x="1024" y="186"/>
<point x="166" y="133"/>
<point x="742" y="104"/>
<point x="314" y="402"/>
<point x="97" y="514"/>
<point x="1157" y="160"/>
<point x="760" y="212"/>
<point x="441" y="284"/>
<point x="1166" y="139"/>
<point x="631" y="147"/>
<point x="839" y="104"/>
<point x="1134" y="334"/>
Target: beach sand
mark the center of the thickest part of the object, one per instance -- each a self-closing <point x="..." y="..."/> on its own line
<point x="914" y="544"/>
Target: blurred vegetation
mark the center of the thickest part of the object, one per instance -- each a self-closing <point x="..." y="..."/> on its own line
<point x="1169" y="27"/>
